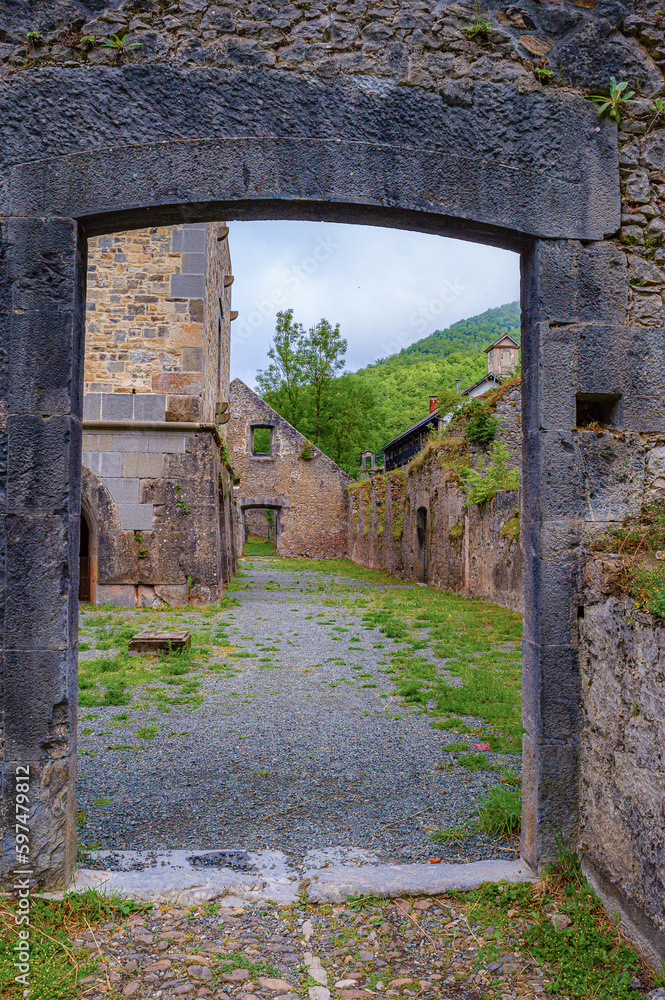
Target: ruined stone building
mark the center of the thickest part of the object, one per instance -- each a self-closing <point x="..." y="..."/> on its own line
<point x="280" y="470"/>
<point x="409" y="121"/>
<point x="156" y="511"/>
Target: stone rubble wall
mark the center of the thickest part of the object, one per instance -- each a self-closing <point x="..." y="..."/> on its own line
<point x="623" y="756"/>
<point x="421" y="44"/>
<point x="170" y="541"/>
<point x="256" y="523"/>
<point x="308" y="494"/>
<point x="467" y="548"/>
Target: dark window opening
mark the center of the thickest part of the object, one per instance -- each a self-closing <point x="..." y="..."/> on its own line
<point x="421" y="527"/>
<point x="261" y="440"/>
<point x="84" y="561"/>
<point x="597" y="410"/>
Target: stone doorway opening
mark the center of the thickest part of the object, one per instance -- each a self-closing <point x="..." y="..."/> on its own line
<point x="557" y="218"/>
<point x="87" y="557"/>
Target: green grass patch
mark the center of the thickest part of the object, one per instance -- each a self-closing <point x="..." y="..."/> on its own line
<point x="588" y="959"/>
<point x="259" y="547"/>
<point x="56" y="966"/>
<point x="500" y="812"/>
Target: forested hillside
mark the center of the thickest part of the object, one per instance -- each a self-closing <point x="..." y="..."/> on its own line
<point x="402" y="383"/>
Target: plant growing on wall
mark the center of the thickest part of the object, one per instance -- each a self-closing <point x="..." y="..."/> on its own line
<point x="181" y="504"/>
<point x="484" y="482"/>
<point x="618" y="99"/>
<point x="307" y="452"/>
<point x="657" y="107"/>
<point x="543" y="71"/>
<point x="481" y="426"/>
<point x="120" y="45"/>
<point x="480" y="29"/>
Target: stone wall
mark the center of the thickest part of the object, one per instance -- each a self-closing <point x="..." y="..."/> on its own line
<point x="152" y="317"/>
<point x="307" y="493"/>
<point x="420" y="123"/>
<point x="623" y="756"/>
<point x="156" y="370"/>
<point x="472" y="549"/>
<point x="257" y="524"/>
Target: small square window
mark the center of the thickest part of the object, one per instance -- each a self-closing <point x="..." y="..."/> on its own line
<point x="261" y="440"/>
<point x="597" y="410"/>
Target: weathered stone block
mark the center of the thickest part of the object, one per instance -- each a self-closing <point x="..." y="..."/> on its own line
<point x="43" y="463"/>
<point x="151" y="642"/>
<point x="136" y="516"/>
<point x="149" y="406"/>
<point x="123" y="491"/>
<point x="117" y="405"/>
<point x="183" y="408"/>
<point x="40" y="582"/>
<point x="143" y="465"/>
<point x="165" y="442"/>
<point x="36" y="386"/>
<point x="186" y="383"/>
<point x="92" y="406"/>
<point x="120" y="595"/>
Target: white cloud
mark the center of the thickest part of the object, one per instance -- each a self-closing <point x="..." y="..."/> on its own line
<point x="385" y="287"/>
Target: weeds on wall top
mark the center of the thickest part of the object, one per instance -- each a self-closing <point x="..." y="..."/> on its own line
<point x="484" y="482"/>
<point x="640" y="544"/>
<point x="120" y="45"/>
<point x="481" y="426"/>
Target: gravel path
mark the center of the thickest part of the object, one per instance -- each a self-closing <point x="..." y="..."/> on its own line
<point x="305" y="747"/>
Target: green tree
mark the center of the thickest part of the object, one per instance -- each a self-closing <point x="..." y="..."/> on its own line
<point x="338" y="413"/>
<point x="322" y="351"/>
<point x="283" y="378"/>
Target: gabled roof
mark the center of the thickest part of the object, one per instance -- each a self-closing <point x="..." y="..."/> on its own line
<point x="490" y="377"/>
<point x="414" y="427"/>
<point x="505" y="341"/>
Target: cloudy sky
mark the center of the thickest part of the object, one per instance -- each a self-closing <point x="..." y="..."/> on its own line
<point x="385" y="287"/>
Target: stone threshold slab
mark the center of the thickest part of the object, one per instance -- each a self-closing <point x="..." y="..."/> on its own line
<point x="191" y="878"/>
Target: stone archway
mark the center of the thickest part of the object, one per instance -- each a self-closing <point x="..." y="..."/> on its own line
<point x="493" y="165"/>
<point x="279" y="505"/>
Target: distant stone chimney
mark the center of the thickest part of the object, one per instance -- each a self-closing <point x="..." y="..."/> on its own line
<point x="433" y="403"/>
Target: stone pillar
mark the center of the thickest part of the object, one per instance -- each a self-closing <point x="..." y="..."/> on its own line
<point x="573" y="342"/>
<point x="42" y="303"/>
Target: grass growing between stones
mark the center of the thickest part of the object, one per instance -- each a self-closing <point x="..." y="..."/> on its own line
<point x="57" y="964"/>
<point x="559" y="924"/>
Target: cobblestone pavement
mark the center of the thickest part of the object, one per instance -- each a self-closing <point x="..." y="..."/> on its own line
<point x="260" y="951"/>
<point x="299" y="741"/>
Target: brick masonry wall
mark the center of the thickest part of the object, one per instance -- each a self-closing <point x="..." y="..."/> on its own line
<point x="309" y="496"/>
<point x="466" y="549"/>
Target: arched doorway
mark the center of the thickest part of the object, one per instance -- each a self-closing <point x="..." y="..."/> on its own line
<point x="422" y="519"/>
